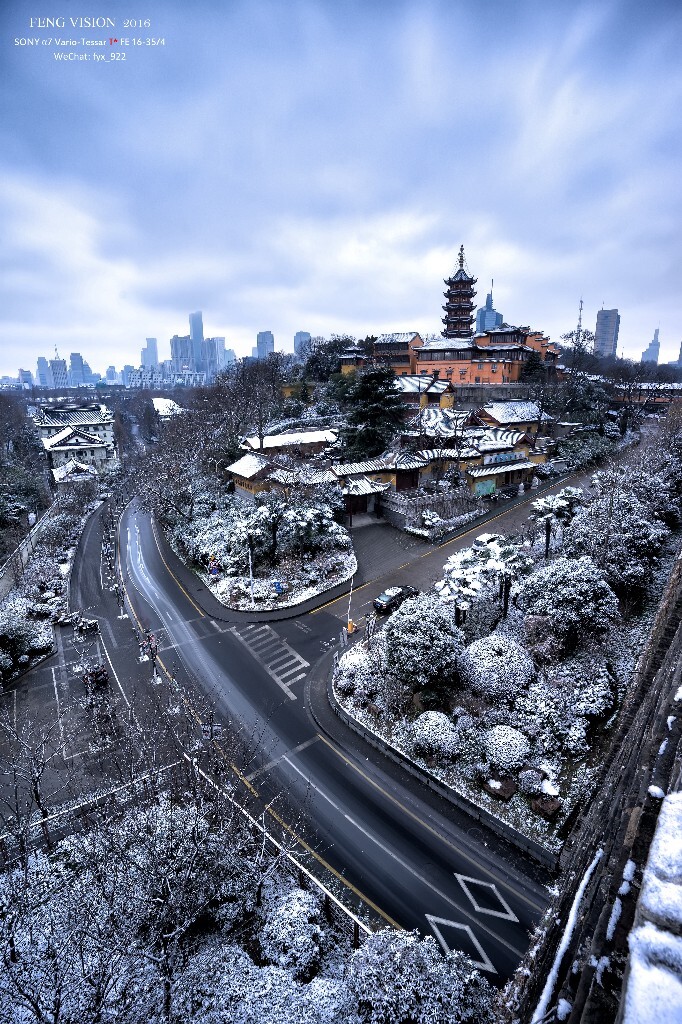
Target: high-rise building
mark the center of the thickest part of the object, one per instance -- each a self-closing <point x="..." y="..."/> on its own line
<point x="459" y="302"/>
<point x="149" y="357"/>
<point x="111" y="376"/>
<point x="42" y="372"/>
<point x="301" y="338"/>
<point x="196" y="333"/>
<point x="265" y="344"/>
<point x="126" y="374"/>
<point x="76" y="374"/>
<point x="25" y="378"/>
<point x="230" y="356"/>
<point x="213" y="356"/>
<point x="487" y="318"/>
<point x="181" y="353"/>
<point x="606" y="333"/>
<point x="653" y="350"/>
<point x="58" y="376"/>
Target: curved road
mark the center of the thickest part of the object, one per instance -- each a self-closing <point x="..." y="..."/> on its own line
<point x="392" y="848"/>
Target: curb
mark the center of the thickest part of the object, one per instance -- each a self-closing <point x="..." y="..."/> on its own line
<point x="528" y="846"/>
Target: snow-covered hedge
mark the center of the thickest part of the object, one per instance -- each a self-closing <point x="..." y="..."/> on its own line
<point x="434" y="734"/>
<point x="496" y="666"/>
<point x="506" y="748"/>
<point x="20" y="637"/>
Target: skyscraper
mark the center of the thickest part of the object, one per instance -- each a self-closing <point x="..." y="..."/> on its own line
<point x="652" y="352"/>
<point x="25" y="378"/>
<point x="300" y="340"/>
<point x="265" y="343"/>
<point x="76" y="374"/>
<point x="196" y="333"/>
<point x="606" y="333"/>
<point x="150" y="354"/>
<point x="42" y="372"/>
<point x="181" y="353"/>
<point x="58" y="376"/>
<point x="213" y="357"/>
<point x="487" y="318"/>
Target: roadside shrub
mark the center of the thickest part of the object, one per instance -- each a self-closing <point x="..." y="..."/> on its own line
<point x="291" y="937"/>
<point x="506" y="748"/>
<point x="423" y="644"/>
<point x="434" y="734"/>
<point x="496" y="667"/>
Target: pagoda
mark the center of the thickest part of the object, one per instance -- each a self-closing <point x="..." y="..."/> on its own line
<point x="459" y="303"/>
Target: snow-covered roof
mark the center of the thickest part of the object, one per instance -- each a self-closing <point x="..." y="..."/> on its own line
<point x="503" y="467"/>
<point x="249" y="466"/>
<point x="302" y="437"/>
<point x="384" y="464"/>
<point x="72" y="469"/>
<point x="73" y="416"/>
<point x="397" y="337"/>
<point x="166" y="406"/>
<point x="515" y="411"/>
<point x="439" y="344"/>
<point x="69" y="437"/>
<point x="442" y="422"/>
<point x="363" y="485"/>
<point x="434" y="454"/>
<point x="495" y="438"/>
<point x="420" y="384"/>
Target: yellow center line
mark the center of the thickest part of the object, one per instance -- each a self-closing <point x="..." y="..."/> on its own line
<point x="429" y="828"/>
<point x="158" y="548"/>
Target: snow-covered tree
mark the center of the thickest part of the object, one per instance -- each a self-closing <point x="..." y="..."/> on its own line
<point x="621" y="535"/>
<point x="423" y="644"/>
<point x="396" y="978"/>
<point x="291" y="936"/>
<point x="496" y="667"/>
<point x="478" y="579"/>
<point x="568" y="601"/>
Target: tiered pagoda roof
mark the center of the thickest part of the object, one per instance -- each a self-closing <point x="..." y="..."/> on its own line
<point x="459" y="303"/>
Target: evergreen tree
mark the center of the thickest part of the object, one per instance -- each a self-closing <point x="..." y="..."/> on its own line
<point x="374" y="412"/>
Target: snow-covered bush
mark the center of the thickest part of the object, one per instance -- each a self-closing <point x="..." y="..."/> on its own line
<point x="19" y="636"/>
<point x="362" y="674"/>
<point x="621" y="535"/>
<point x="58" y="530"/>
<point x="496" y="667"/>
<point x="506" y="748"/>
<point x="434" y="734"/>
<point x="291" y="936"/>
<point x="571" y="598"/>
<point x="423" y="644"/>
<point x="530" y="782"/>
<point x="396" y="977"/>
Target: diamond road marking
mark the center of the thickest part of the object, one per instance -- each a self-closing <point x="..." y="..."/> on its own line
<point x="507" y="914"/>
<point x="485" y="963"/>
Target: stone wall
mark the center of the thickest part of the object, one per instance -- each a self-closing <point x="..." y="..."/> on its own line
<point x="619" y="820"/>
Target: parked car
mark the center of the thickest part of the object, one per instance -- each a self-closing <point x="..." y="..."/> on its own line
<point x="392" y="598"/>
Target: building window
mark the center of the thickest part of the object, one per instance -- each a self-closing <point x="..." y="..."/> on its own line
<point x="477" y="380"/>
<point x="494" y="368"/>
<point x="479" y="366"/>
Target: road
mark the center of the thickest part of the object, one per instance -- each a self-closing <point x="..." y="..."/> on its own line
<point x="410" y="860"/>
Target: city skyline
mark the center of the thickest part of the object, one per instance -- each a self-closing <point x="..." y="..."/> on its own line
<point x="365" y="144"/>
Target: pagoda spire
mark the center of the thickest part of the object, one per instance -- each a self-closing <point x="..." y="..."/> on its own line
<point x="459" y="302"/>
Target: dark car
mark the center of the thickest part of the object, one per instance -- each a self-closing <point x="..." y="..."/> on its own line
<point x="392" y="598"/>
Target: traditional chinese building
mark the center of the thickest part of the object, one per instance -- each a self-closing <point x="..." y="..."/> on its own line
<point x="459" y="303"/>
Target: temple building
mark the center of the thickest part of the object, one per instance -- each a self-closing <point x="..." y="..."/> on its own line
<point x="459" y="303"/>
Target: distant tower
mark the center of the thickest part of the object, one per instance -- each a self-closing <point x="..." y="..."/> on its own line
<point x="265" y="344"/>
<point x="606" y="333"/>
<point x="459" y="303"/>
<point x="301" y="338"/>
<point x="652" y="352"/>
<point x="487" y="318"/>
<point x="150" y="354"/>
<point x="196" y="334"/>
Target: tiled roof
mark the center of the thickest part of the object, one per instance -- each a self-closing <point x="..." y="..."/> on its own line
<point x="397" y="337"/>
<point x="515" y="411"/>
<point x="503" y="467"/>
<point x="70" y="437"/>
<point x="284" y="440"/>
<point x="249" y="466"/>
<point x="384" y="464"/>
<point x="420" y="384"/>
<point x="362" y="485"/>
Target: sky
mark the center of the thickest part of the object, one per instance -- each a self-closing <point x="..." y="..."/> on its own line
<point x="316" y="164"/>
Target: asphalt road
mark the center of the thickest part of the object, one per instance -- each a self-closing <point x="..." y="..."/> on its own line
<point x="411" y="861"/>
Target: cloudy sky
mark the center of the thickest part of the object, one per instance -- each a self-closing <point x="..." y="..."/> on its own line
<point x="316" y="166"/>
